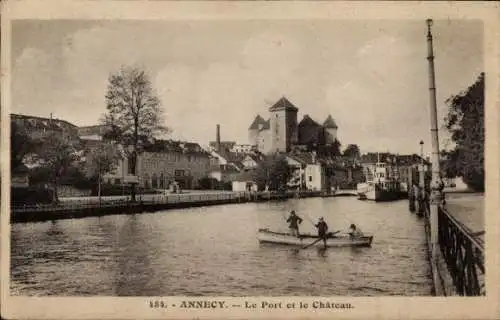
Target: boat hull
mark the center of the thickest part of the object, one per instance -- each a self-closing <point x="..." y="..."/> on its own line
<point x="305" y="240"/>
<point x="376" y="193"/>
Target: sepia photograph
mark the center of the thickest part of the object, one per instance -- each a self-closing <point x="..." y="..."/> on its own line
<point x="237" y="158"/>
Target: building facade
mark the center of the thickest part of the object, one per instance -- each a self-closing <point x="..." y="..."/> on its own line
<point x="157" y="167"/>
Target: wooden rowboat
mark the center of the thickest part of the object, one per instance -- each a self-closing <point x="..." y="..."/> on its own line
<point x="306" y="240"/>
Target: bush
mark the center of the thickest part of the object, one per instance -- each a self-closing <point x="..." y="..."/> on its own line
<point x="30" y="196"/>
<point x="207" y="183"/>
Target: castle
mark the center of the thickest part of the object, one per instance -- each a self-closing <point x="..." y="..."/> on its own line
<point x="281" y="133"/>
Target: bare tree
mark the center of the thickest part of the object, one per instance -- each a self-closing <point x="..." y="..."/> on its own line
<point x="134" y="112"/>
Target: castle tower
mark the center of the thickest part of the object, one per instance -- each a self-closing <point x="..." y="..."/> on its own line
<point x="283" y="125"/>
<point x="330" y="130"/>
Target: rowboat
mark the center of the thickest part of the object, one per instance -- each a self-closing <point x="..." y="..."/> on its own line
<point x="306" y="240"/>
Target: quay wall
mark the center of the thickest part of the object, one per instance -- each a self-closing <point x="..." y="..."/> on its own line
<point x="82" y="209"/>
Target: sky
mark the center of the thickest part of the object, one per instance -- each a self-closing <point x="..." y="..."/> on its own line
<point x="371" y="76"/>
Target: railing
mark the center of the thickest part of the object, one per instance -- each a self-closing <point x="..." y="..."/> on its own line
<point x="464" y="255"/>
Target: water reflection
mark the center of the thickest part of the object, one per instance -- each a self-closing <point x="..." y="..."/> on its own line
<point x="214" y="251"/>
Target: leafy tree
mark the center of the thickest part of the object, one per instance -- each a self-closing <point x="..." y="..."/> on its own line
<point x="102" y="160"/>
<point x="273" y="172"/>
<point x="352" y="151"/>
<point x="465" y="121"/>
<point x="329" y="150"/>
<point x="21" y="144"/>
<point x="56" y="157"/>
<point x="133" y="111"/>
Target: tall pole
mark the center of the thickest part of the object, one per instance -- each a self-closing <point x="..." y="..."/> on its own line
<point x="436" y="185"/>
<point x="421" y="171"/>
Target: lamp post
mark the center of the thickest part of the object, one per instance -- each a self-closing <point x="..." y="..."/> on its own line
<point x="132" y="155"/>
<point x="436" y="185"/>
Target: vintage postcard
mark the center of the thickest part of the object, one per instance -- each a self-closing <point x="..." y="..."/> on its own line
<point x="249" y="160"/>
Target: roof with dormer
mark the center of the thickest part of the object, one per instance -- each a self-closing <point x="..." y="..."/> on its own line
<point x="330" y="123"/>
<point x="283" y="104"/>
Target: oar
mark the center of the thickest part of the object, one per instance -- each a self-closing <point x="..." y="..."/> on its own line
<point x="316" y="241"/>
<point x="312" y="243"/>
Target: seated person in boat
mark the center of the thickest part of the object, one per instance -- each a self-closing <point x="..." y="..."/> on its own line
<point x="294" y="222"/>
<point x="354" y="231"/>
<point x="322" y="229"/>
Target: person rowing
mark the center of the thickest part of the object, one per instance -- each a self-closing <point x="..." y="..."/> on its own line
<point x="322" y="229"/>
<point x="294" y="221"/>
<point x="354" y="231"/>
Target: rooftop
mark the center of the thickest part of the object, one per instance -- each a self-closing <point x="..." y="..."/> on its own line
<point x="283" y="104"/>
<point x="330" y="123"/>
<point x="257" y="122"/>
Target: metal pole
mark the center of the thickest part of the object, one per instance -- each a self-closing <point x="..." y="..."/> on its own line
<point x="436" y="185"/>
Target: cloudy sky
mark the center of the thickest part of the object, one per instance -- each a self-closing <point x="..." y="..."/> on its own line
<point x="371" y="76"/>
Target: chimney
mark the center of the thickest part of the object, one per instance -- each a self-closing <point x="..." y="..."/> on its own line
<point x="217" y="138"/>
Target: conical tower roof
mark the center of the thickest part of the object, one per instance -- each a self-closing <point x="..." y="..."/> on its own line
<point x="330" y="123"/>
<point x="285" y="104"/>
<point x="256" y="122"/>
<point x="308" y="122"/>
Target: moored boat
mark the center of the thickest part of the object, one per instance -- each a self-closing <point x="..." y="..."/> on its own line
<point x="306" y="240"/>
<point x="382" y="184"/>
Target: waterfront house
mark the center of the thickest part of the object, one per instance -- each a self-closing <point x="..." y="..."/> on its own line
<point x="162" y="163"/>
<point x="244" y="181"/>
<point x="223" y="172"/>
<point x="308" y="171"/>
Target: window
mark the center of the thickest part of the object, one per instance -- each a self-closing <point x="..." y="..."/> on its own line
<point x="310" y="178"/>
<point x="117" y="181"/>
<point x="179" y="173"/>
<point x="131" y="165"/>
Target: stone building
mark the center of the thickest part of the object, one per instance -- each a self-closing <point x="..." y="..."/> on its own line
<point x="95" y="132"/>
<point x="281" y="132"/>
<point x="165" y="162"/>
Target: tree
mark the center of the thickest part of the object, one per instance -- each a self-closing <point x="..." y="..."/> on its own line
<point x="102" y="160"/>
<point x="21" y="145"/>
<point x="273" y="172"/>
<point x="133" y="111"/>
<point x="56" y="156"/>
<point x="330" y="150"/>
<point x="352" y="151"/>
<point x="465" y="121"/>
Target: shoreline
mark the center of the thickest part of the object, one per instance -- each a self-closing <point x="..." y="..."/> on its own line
<point x="79" y="209"/>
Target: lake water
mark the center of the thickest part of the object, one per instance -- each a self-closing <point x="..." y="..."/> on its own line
<point x="214" y="251"/>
